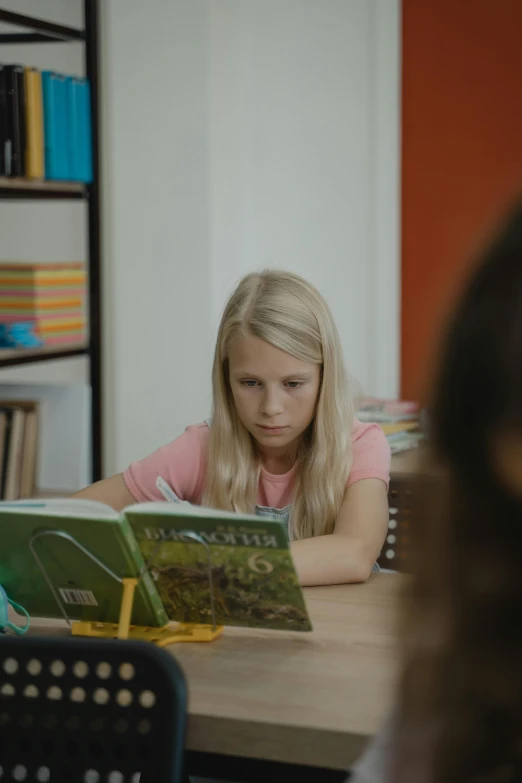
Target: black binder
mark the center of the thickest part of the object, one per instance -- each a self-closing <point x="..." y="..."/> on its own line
<point x="15" y="98"/>
<point x="3" y="122"/>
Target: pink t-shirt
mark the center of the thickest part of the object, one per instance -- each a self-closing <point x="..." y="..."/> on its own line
<point x="183" y="464"/>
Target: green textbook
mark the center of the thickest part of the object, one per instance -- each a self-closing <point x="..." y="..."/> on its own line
<point x="253" y="574"/>
<point x="167" y="547"/>
<point x="86" y="590"/>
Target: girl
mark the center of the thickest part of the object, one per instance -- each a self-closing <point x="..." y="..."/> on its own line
<point x="460" y="704"/>
<point x="283" y="439"/>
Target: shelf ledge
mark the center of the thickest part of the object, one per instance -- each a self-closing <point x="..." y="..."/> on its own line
<point x="10" y="357"/>
<point x="40" y="30"/>
<point x="18" y="188"/>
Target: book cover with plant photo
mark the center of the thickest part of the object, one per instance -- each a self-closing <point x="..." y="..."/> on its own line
<point x="255" y="583"/>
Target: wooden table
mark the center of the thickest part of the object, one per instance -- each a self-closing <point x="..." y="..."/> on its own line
<point x="311" y="699"/>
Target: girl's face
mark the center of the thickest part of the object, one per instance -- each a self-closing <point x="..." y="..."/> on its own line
<point x="275" y="394"/>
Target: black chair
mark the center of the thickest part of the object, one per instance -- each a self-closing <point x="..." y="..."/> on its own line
<point x="395" y="554"/>
<point x="90" y="711"/>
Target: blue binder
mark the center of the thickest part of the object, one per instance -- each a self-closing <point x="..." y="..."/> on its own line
<point x="56" y="125"/>
<point x="80" y="129"/>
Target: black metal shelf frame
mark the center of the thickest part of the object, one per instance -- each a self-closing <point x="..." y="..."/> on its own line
<point x="15" y="358"/>
<point x="41" y="31"/>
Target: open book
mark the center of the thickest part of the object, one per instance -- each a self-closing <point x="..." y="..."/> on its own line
<point x="254" y="579"/>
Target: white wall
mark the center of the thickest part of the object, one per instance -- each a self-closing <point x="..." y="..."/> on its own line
<point x="157" y="241"/>
<point x="295" y="96"/>
<point x="241" y="134"/>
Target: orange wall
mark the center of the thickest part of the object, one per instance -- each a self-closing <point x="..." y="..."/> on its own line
<point x="462" y="153"/>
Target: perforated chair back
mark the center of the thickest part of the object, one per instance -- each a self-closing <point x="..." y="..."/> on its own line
<point x="395" y="553"/>
<point x="90" y="711"/>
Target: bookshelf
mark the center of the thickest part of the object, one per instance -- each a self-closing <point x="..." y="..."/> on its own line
<point x="29" y="30"/>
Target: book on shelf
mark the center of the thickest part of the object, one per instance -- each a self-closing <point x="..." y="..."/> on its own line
<point x="67" y="127"/>
<point x="399" y="419"/>
<point x="254" y="579"/>
<point x="14" y="149"/>
<point x="399" y="427"/>
<point x="404" y="441"/>
<point x="80" y="137"/>
<point x="18" y="448"/>
<point x="45" y="125"/>
<point x="56" y="148"/>
<point x="373" y="409"/>
<point x="51" y="298"/>
<point x="13" y="455"/>
<point x="34" y="151"/>
<point x="29" y="450"/>
<point x="4" y="135"/>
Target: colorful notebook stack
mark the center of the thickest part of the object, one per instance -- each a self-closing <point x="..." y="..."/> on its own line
<point x="51" y="297"/>
<point x="398" y="419"/>
<point x="45" y="125"/>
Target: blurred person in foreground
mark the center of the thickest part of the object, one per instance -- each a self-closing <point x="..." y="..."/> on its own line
<point x="458" y="717"/>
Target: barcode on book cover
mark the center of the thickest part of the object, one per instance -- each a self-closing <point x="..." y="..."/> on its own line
<point x="78" y="597"/>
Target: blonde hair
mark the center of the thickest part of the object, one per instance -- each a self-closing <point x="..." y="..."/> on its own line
<point x="289" y="313"/>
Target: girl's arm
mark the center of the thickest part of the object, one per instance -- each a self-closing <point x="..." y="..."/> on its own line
<point x="112" y="491"/>
<point x="178" y="463"/>
<point x="348" y="554"/>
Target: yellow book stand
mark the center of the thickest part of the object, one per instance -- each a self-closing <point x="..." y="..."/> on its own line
<point x="168" y="634"/>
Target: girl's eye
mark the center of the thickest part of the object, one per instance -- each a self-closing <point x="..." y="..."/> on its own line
<point x="294" y="384"/>
<point x="250" y="384"/>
